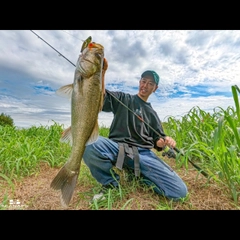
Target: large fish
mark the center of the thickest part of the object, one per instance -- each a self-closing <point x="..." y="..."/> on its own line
<point x="86" y="93"/>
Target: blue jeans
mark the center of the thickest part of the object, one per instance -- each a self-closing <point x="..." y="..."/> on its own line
<point x="101" y="156"/>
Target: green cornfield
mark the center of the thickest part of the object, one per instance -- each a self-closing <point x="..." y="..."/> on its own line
<point x="212" y="141"/>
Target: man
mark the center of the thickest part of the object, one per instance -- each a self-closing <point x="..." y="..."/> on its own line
<point x="135" y="130"/>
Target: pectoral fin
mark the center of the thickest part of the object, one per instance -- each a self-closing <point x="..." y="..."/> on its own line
<point x="65" y="91"/>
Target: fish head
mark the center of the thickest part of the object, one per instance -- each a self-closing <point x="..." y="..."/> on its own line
<point x="91" y="60"/>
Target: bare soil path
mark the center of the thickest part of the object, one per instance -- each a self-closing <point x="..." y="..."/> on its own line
<point x="34" y="193"/>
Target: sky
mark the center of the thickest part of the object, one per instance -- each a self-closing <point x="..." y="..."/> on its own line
<point x="196" y="67"/>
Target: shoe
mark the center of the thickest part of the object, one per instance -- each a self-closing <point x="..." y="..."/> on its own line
<point x="103" y="191"/>
<point x="98" y="196"/>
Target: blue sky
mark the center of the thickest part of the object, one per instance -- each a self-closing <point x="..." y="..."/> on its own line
<point x="196" y="68"/>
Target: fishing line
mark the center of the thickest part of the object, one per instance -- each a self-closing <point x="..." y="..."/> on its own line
<point x="160" y="135"/>
<point x="71" y="35"/>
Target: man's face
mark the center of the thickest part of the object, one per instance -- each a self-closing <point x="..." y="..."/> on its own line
<point x="146" y="87"/>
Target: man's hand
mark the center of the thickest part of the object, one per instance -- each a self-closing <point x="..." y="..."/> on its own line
<point x="105" y="64"/>
<point x="104" y="69"/>
<point x="167" y="141"/>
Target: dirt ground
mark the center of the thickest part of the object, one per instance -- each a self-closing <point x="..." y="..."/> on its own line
<point x="34" y="193"/>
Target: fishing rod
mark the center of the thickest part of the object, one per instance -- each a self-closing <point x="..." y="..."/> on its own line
<point x="161" y="135"/>
<point x="52" y="47"/>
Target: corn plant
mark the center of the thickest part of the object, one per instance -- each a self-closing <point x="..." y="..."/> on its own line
<point x="212" y="141"/>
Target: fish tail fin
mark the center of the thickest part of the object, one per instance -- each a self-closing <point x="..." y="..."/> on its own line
<point x="65" y="181"/>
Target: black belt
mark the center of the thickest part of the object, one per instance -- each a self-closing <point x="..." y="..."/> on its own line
<point x="132" y="152"/>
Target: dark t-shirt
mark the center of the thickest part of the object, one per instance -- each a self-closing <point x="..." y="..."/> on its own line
<point x="126" y="126"/>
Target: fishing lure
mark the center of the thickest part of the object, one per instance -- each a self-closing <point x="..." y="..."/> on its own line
<point x="85" y="43"/>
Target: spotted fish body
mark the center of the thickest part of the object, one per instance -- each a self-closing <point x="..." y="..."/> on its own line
<point x="86" y="94"/>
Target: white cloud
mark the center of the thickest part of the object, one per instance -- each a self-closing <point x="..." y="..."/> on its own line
<point x="196" y="68"/>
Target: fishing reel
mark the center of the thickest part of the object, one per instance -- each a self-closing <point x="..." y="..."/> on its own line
<point x="168" y="152"/>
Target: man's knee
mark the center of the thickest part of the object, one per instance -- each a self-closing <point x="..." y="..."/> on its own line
<point x="93" y="150"/>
